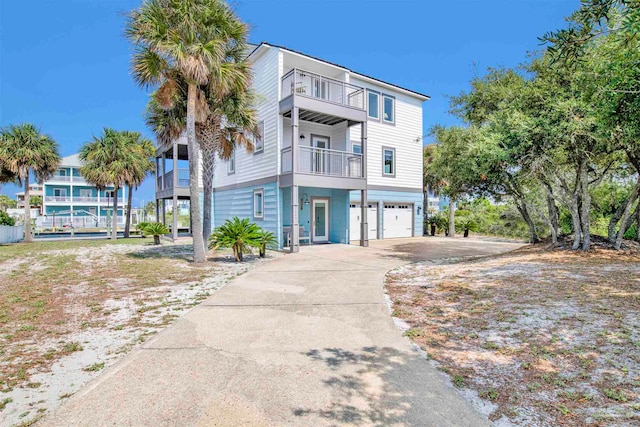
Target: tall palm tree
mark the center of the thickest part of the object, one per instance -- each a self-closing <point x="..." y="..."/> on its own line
<point x="106" y="161"/>
<point x="24" y="151"/>
<point x="221" y="125"/>
<point x="186" y="39"/>
<point x="139" y="164"/>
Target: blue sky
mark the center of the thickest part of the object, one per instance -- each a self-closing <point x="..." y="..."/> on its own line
<point x="64" y="64"/>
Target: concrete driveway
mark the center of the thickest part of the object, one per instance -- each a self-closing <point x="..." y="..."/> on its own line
<point x="306" y="339"/>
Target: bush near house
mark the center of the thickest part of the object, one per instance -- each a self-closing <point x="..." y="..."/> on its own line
<point x="5" y="219"/>
<point x="241" y="235"/>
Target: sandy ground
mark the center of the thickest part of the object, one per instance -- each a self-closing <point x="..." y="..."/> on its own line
<point x="67" y="314"/>
<point x="533" y="337"/>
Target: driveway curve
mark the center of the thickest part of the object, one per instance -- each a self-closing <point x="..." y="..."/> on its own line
<point x="305" y="339"/>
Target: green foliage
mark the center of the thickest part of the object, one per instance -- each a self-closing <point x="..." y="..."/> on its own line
<point x="266" y="240"/>
<point x="5" y="219"/>
<point x="35" y="200"/>
<point x="7" y="202"/>
<point x="239" y="234"/>
<point x="155" y="229"/>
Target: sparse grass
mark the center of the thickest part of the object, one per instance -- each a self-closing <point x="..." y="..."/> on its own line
<point x="55" y="294"/>
<point x="556" y="330"/>
<point x="95" y="367"/>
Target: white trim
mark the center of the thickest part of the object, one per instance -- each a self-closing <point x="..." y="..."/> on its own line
<point x="377" y="94"/>
<point x="393" y="108"/>
<point x="325" y="238"/>
<point x="259" y="215"/>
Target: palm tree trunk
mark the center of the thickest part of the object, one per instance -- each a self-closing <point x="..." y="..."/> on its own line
<point x="28" y="238"/>
<point x="452" y="220"/>
<point x="199" y="254"/>
<point x="114" y="218"/>
<point x="127" y="224"/>
<point x="207" y="187"/>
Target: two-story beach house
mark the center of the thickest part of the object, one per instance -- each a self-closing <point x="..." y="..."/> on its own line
<point x="68" y="198"/>
<point x="339" y="161"/>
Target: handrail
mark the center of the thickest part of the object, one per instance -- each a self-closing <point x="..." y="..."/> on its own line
<point x="313" y="85"/>
<point x="323" y="161"/>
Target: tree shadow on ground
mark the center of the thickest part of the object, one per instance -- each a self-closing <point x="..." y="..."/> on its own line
<point x="185" y="253"/>
<point x="364" y="388"/>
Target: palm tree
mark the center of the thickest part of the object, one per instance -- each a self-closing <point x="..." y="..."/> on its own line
<point x="222" y="124"/>
<point x="186" y="39"/>
<point x="24" y="151"/>
<point x="139" y="164"/>
<point x="106" y="161"/>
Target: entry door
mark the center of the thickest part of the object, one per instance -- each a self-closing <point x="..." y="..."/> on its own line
<point x="320" y="161"/>
<point x="320" y="221"/>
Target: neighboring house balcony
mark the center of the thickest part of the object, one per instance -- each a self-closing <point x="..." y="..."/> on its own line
<point x="173" y="182"/>
<point x="83" y="200"/>
<point x="67" y="179"/>
<point x="57" y="199"/>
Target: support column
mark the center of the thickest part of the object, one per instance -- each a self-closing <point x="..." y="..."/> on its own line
<point x="364" y="225"/>
<point x="158" y="210"/>
<point x="164" y="185"/>
<point x="363" y="143"/>
<point x="174" y="229"/>
<point x="294" y="245"/>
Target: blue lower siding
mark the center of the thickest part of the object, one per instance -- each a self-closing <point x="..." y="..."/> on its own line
<point x="381" y="197"/>
<point x="239" y="202"/>
<point x="338" y="210"/>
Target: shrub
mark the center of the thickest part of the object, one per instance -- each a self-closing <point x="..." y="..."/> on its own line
<point x="155" y="229"/>
<point x="266" y="240"/>
<point x="466" y="225"/>
<point x="238" y="234"/>
<point x="5" y="219"/>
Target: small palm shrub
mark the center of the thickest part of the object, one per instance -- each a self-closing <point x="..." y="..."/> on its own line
<point x="238" y="234"/>
<point x="266" y="240"/>
<point x="155" y="229"/>
<point x="467" y="225"/>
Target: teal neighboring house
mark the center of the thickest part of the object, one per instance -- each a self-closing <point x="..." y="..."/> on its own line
<point x="69" y="199"/>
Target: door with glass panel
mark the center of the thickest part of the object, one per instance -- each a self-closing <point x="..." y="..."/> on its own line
<point x="320" y="158"/>
<point x="320" y="220"/>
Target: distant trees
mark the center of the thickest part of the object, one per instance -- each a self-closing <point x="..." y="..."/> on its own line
<point x="7" y="202"/>
<point x="25" y="151"/>
<point x="558" y="127"/>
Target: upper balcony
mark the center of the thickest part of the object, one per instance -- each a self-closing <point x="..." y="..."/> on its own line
<point x="322" y="99"/>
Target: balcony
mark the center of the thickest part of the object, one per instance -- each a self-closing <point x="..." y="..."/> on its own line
<point x="183" y="180"/>
<point x="314" y="163"/>
<point x="58" y="199"/>
<point x="305" y="83"/>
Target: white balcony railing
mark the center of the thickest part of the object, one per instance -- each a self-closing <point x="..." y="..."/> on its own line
<point x="325" y="162"/>
<point x="313" y="85"/>
<point x="57" y="198"/>
<point x="60" y="178"/>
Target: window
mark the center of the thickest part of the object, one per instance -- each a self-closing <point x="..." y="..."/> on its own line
<point x="60" y="192"/>
<point x="84" y="192"/>
<point x="61" y="172"/>
<point x="388" y="109"/>
<point x="109" y="194"/>
<point x="374" y="104"/>
<point x="258" y="203"/>
<point x="258" y="146"/>
<point x="231" y="163"/>
<point x="356" y="148"/>
<point x="388" y="162"/>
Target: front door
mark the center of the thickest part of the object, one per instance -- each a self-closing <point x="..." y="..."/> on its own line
<point x="320" y="220"/>
<point x="320" y="159"/>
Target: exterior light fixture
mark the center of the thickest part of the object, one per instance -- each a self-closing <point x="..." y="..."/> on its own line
<point x="304" y="201"/>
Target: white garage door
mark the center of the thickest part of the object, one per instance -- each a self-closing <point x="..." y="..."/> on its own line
<point x="398" y="220"/>
<point x="354" y="223"/>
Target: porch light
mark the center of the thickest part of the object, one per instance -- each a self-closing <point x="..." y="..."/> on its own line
<point x="304" y="201"/>
<point x="302" y="136"/>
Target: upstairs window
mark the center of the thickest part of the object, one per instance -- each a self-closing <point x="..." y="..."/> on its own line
<point x="258" y="203"/>
<point x="356" y="148"/>
<point x="388" y="162"/>
<point x="373" y="100"/>
<point x="231" y="163"/>
<point x="258" y="145"/>
<point x="388" y="109"/>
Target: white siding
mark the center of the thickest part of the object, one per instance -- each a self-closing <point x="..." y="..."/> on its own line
<point x="249" y="166"/>
<point x="337" y="134"/>
<point x="401" y="136"/>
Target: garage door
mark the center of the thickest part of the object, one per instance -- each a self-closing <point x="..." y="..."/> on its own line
<point x="354" y="223"/>
<point x="398" y="220"/>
